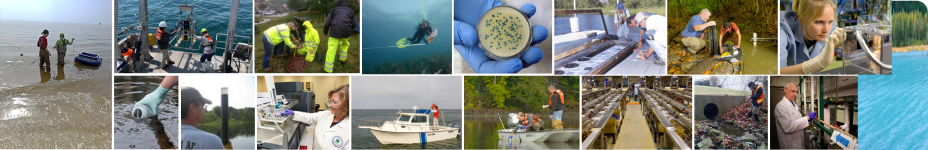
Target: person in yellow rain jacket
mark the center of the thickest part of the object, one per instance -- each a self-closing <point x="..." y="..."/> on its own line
<point x="274" y="39"/>
<point x="341" y="22"/>
<point x="310" y="42"/>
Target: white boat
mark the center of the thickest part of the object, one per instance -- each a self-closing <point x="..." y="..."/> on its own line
<point x="546" y="136"/>
<point x="412" y="128"/>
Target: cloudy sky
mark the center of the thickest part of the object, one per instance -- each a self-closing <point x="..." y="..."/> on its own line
<point x="71" y="11"/>
<point x="403" y="92"/>
<point x="242" y="89"/>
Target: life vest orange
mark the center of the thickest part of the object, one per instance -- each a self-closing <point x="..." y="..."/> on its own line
<point x="128" y="53"/>
<point x="210" y="42"/>
<point x="159" y="34"/>
<point x="525" y="123"/>
<point x="558" y="93"/>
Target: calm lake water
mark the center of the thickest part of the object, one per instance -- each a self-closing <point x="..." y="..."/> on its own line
<point x="480" y="133"/>
<point x="364" y="139"/>
<point x="160" y="132"/>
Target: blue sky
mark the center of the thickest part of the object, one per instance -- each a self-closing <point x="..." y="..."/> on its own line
<point x="70" y="11"/>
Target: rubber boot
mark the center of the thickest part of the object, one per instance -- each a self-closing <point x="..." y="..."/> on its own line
<point x="202" y="67"/>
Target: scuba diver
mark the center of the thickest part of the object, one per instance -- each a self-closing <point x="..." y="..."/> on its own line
<point x="424" y="28"/>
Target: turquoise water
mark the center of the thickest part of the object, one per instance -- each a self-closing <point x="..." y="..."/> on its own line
<point x="388" y="21"/>
<point x="892" y="107"/>
<point x="212" y="15"/>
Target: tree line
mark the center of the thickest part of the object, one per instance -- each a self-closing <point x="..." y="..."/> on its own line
<point x="519" y="93"/>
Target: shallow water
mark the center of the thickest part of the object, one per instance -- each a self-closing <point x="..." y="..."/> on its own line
<point x="162" y="132"/>
<point x="760" y="59"/>
<point x="20" y="37"/>
<point x="75" y="115"/>
<point x="480" y="133"/>
<point x="364" y="139"/>
<point x="891" y="112"/>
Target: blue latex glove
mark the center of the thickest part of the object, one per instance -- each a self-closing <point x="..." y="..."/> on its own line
<point x="468" y="13"/>
<point x="510" y="138"/>
<point x="153" y="99"/>
<point x="286" y="112"/>
<point x="811" y="116"/>
<point x="523" y="127"/>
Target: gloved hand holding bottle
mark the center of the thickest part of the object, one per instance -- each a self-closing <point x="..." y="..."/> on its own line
<point x="148" y="106"/>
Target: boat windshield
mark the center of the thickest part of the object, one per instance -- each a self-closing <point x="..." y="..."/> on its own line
<point x="403" y="118"/>
<point x="420" y="119"/>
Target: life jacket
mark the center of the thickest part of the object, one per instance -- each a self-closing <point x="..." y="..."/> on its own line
<point x="127" y="53"/>
<point x="558" y="93"/>
<point x="525" y="123"/>
<point x="761" y="98"/>
<point x="210" y="43"/>
<point x="158" y="36"/>
<point x="436" y="110"/>
<point x="165" y="42"/>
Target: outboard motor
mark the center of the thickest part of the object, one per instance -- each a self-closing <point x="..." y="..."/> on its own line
<point x="513" y="120"/>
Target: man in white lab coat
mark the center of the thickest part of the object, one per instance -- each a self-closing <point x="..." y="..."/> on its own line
<point x="333" y="127"/>
<point x="790" y="121"/>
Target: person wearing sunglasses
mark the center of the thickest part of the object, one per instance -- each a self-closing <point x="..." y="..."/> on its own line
<point x="333" y="127"/>
<point x="790" y="121"/>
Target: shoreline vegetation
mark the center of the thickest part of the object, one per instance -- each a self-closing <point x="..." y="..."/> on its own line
<point x="493" y="112"/>
<point x="910" y="48"/>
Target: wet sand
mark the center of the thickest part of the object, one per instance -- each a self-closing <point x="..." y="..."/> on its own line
<point x="66" y="113"/>
<point x="152" y="133"/>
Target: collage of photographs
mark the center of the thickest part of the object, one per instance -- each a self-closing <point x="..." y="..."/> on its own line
<point x="579" y="75"/>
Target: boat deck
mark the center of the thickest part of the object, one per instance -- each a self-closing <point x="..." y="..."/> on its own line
<point x="185" y="62"/>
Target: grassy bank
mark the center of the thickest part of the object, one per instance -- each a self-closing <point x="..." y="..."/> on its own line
<point x="351" y="65"/>
<point x="911" y="48"/>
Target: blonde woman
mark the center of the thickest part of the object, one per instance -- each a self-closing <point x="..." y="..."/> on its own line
<point x="808" y="37"/>
<point x="333" y="127"/>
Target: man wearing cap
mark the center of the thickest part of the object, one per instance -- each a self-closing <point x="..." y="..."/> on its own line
<point x="164" y="39"/>
<point x="62" y="46"/>
<point x="656" y="27"/>
<point x="620" y="15"/>
<point x="193" y="108"/>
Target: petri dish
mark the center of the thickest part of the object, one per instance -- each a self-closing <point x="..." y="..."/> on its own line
<point x="504" y="33"/>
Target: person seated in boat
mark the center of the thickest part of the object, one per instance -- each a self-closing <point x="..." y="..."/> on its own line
<point x="338" y="133"/>
<point x="529" y="122"/>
